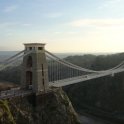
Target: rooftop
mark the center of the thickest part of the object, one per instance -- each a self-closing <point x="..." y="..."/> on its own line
<point x="34" y="44"/>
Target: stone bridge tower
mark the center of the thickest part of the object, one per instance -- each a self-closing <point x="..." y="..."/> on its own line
<point x="34" y="68"/>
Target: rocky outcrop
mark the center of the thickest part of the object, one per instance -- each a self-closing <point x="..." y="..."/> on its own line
<point x="51" y="108"/>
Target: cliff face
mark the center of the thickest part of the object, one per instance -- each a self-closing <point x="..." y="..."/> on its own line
<point x="51" y="108"/>
<point x="103" y="97"/>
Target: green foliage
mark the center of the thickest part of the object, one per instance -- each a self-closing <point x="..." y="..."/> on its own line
<point x="5" y="113"/>
<point x="83" y="61"/>
<point x="99" y="62"/>
<point x="107" y="61"/>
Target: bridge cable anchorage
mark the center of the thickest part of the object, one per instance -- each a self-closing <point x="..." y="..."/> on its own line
<point x="84" y="69"/>
<point x="14" y="60"/>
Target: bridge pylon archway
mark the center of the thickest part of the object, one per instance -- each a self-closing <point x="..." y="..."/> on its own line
<point x="34" y="68"/>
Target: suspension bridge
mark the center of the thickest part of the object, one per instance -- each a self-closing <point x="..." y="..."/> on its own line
<point x="60" y="72"/>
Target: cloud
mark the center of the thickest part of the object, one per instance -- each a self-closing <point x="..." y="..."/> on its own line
<point x="10" y="8"/>
<point x="109" y="3"/>
<point x="97" y="22"/>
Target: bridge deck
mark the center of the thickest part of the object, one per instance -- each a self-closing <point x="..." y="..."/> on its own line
<point x="18" y="92"/>
<point x="78" y="79"/>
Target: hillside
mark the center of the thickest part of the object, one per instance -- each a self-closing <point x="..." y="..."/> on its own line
<point x="51" y="108"/>
<point x="100" y="97"/>
<point x="103" y="97"/>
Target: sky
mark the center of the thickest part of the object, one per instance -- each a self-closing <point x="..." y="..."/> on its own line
<point x="64" y="25"/>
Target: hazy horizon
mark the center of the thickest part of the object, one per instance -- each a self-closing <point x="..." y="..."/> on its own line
<point x="63" y="53"/>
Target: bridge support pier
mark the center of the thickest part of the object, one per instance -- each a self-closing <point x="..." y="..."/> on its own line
<point x="34" y="68"/>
